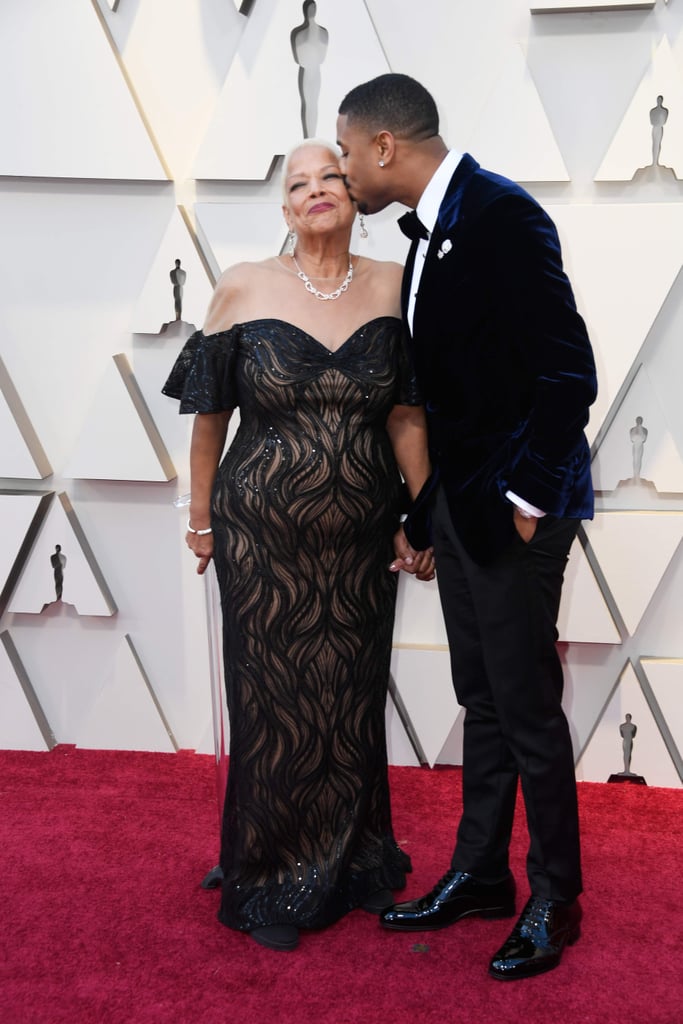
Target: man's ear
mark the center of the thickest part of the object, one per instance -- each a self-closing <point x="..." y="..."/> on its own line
<point x="386" y="146"/>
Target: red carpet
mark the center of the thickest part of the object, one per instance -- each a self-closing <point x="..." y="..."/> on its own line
<point x="103" y="919"/>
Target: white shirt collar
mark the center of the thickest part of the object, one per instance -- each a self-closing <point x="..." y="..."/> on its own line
<point x="430" y="200"/>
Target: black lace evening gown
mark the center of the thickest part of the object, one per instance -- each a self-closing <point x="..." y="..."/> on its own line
<point x="304" y="508"/>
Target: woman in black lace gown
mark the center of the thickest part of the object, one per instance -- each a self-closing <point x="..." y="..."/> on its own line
<point x="299" y="516"/>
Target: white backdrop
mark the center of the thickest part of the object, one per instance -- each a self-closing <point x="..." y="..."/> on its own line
<point x="142" y="132"/>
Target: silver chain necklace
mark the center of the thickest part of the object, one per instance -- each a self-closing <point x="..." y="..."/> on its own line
<point x="325" y="296"/>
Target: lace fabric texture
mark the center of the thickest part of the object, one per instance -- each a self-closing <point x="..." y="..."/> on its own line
<point x="304" y="508"/>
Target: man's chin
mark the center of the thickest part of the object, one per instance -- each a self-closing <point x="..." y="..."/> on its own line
<point x="362" y="207"/>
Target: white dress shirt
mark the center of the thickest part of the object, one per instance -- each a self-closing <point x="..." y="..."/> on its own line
<point x="428" y="210"/>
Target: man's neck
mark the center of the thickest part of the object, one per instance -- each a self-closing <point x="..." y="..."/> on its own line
<point x="420" y="164"/>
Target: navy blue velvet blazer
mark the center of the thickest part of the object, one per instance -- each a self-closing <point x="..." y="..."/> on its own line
<point x="504" y="363"/>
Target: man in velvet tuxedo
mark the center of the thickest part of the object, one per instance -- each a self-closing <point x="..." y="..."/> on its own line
<point x="507" y="375"/>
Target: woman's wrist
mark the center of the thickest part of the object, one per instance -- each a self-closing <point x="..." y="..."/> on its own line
<point x="199" y="532"/>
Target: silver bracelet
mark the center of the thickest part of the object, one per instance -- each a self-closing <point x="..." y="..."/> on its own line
<point x="200" y="533"/>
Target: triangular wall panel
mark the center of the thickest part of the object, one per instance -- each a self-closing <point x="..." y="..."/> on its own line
<point x="590" y="674"/>
<point x="513" y="134"/>
<point x="622" y="261"/>
<point x="23" y="725"/>
<point x="419" y="619"/>
<point x="59" y="68"/>
<point x="631" y="150"/>
<point x="153" y="358"/>
<point x="634" y="550"/>
<point x="125" y="715"/>
<point x="665" y="676"/>
<point x="615" y="462"/>
<point x="451" y="752"/>
<point x="82" y="583"/>
<point x="354" y="54"/>
<point x="21" y="454"/>
<point x="176" y="55"/>
<point x="119" y="439"/>
<point x="21" y="515"/>
<point x="205" y="744"/>
<point x="399" y="748"/>
<point x="423" y="678"/>
<point x="156" y="304"/>
<point x="584" y="616"/>
<point x="603" y="755"/>
<point x="235" y="232"/>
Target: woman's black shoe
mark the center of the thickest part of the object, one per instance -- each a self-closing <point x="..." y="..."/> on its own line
<point x="276" y="936"/>
<point x="378" y="901"/>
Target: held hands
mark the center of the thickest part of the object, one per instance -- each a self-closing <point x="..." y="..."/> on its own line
<point x="421" y="563"/>
<point x="417" y="563"/>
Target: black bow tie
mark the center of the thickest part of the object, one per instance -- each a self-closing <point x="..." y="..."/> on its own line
<point x="411" y="225"/>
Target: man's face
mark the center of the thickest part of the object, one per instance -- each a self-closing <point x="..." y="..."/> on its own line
<point x="367" y="182"/>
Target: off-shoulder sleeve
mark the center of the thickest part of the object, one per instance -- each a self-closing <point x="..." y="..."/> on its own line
<point x="203" y="377"/>
<point x="407" y="390"/>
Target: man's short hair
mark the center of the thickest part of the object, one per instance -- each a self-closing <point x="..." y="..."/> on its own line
<point x="395" y="103"/>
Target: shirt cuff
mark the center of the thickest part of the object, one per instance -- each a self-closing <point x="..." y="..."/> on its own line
<point x="528" y="510"/>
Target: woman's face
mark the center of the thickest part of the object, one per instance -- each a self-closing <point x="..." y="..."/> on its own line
<point x="316" y="199"/>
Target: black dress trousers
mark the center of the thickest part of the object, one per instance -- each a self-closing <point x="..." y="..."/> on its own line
<point x="501" y="624"/>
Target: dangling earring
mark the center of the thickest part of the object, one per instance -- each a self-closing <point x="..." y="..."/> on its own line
<point x="381" y="163"/>
<point x="291" y="242"/>
<point x="363" y="229"/>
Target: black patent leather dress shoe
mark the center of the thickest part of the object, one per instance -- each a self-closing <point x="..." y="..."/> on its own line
<point x="454" y="896"/>
<point x="536" y="942"/>
<point x="282" y="937"/>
